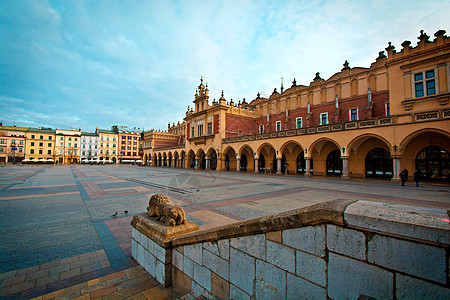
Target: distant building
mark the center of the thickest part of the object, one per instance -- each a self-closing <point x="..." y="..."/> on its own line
<point x="67" y="146"/>
<point x="89" y="147"/>
<point x="128" y="143"/>
<point x="108" y="140"/>
<point x="40" y="144"/>
<point x="360" y="122"/>
<point x="12" y="143"/>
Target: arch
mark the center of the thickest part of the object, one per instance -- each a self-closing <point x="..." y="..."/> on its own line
<point x="262" y="163"/>
<point x="359" y="140"/>
<point x="249" y="158"/>
<point x="191" y="159"/>
<point x="182" y="158"/>
<point x="372" y="82"/>
<point x="229" y="156"/>
<point x="414" y="153"/>
<point x="319" y="152"/>
<point x="169" y="159"/>
<point x="338" y="90"/>
<point x="407" y="140"/>
<point x="268" y="150"/>
<point x="201" y="157"/>
<point x="165" y="159"/>
<point x="291" y="150"/>
<point x="323" y="94"/>
<point x="354" y="87"/>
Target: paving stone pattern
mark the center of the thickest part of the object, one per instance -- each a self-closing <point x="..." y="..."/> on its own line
<point x="58" y="234"/>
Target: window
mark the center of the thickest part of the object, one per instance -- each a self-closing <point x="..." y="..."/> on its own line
<point x="31" y="151"/>
<point x="32" y="136"/>
<point x="387" y="109"/>
<point x="70" y="138"/>
<point x="60" y="152"/>
<point x="210" y="131"/>
<point x="20" y="142"/>
<point x="1" y="149"/>
<point x="107" y="138"/>
<point x="192" y="131"/>
<point x="61" y="138"/>
<point x="50" y="138"/>
<point x="41" y="137"/>
<point x="49" y="152"/>
<point x="299" y="122"/>
<point x="129" y="137"/>
<point x="114" y="151"/>
<point x="353" y="114"/>
<point x="278" y="125"/>
<point x="61" y="144"/>
<point x="75" y="145"/>
<point x="261" y="128"/>
<point x="40" y="151"/>
<point x="2" y="141"/>
<point x="199" y="129"/>
<point x="32" y="143"/>
<point x="114" y="145"/>
<point x="134" y="138"/>
<point x="20" y="150"/>
<point x="114" y="139"/>
<point x="49" y="144"/>
<point x="41" y="144"/>
<point x="101" y="151"/>
<point x="13" y="142"/>
<point x="134" y="143"/>
<point x="76" y="139"/>
<point x="424" y="83"/>
<point x="323" y="118"/>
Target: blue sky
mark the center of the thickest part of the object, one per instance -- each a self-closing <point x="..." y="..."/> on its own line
<point x="86" y="64"/>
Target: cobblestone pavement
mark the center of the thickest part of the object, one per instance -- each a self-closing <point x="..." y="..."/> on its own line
<point x="59" y="238"/>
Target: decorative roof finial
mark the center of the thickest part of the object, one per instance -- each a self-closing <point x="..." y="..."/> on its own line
<point x="282" y="88"/>
<point x="258" y="95"/>
<point x="294" y="83"/>
<point x="317" y="76"/>
<point x="346" y="67"/>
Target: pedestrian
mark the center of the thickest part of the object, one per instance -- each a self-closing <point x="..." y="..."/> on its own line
<point x="417" y="176"/>
<point x="406" y="173"/>
<point x="402" y="177"/>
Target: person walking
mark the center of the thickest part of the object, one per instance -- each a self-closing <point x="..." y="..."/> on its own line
<point x="417" y="176"/>
<point x="402" y="176"/>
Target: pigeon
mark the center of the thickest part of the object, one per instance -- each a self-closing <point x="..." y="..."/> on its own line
<point x="125" y="211"/>
<point x="113" y="215"/>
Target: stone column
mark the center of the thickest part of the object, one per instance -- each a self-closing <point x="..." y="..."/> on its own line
<point x="238" y="164"/>
<point x="197" y="163"/>
<point x="256" y="166"/>
<point x="345" y="174"/>
<point x="395" y="169"/>
<point x="208" y="164"/>
<point x="307" y="167"/>
<point x="279" y="165"/>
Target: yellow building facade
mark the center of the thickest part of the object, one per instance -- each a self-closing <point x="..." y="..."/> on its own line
<point x="40" y="145"/>
<point x="108" y="145"/>
<point x="359" y="123"/>
<point x="67" y="146"/>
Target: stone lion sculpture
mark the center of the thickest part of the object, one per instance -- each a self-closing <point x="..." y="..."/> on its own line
<point x="159" y="206"/>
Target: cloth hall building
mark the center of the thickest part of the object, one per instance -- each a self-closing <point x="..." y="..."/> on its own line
<point x="360" y="122"/>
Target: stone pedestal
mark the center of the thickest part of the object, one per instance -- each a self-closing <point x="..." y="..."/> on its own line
<point x="151" y="245"/>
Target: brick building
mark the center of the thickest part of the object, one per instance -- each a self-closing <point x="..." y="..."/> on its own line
<point x="360" y="122"/>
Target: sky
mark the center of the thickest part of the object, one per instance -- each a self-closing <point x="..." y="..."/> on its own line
<point x="85" y="64"/>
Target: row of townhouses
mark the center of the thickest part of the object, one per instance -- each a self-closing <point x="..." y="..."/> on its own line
<point x="47" y="145"/>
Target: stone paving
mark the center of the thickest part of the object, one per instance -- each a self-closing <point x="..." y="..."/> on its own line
<point x="59" y="238"/>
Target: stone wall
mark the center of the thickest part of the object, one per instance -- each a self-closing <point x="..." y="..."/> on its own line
<point x="340" y="250"/>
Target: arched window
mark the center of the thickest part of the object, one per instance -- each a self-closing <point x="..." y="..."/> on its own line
<point x="334" y="163"/>
<point x="433" y="164"/>
<point x="378" y="163"/>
